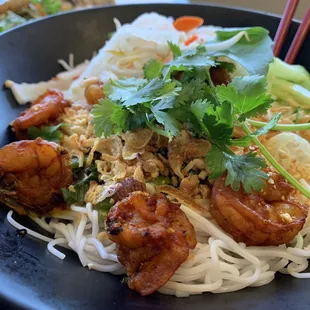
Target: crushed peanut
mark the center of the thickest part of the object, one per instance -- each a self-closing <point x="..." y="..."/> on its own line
<point x="286" y="217"/>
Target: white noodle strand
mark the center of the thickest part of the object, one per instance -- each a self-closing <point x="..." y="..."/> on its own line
<point x="50" y="247"/>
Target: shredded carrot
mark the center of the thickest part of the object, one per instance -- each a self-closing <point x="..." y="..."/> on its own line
<point x="40" y="9"/>
<point x="191" y="40"/>
<point x="187" y="23"/>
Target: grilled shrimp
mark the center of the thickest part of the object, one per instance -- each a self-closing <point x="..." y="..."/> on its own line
<point x="154" y="237"/>
<point x="271" y="217"/>
<point x="32" y="174"/>
<point x="44" y="109"/>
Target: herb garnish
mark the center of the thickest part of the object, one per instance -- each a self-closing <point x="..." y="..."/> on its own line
<point x="76" y="194"/>
<point x="181" y="94"/>
<point x="49" y="133"/>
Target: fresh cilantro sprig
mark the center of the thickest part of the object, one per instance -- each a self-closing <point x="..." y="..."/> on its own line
<point x="247" y="94"/>
<point x="181" y="94"/>
<point x="231" y="105"/>
<point x="246" y="99"/>
<point x="138" y="107"/>
<point x="131" y="103"/>
<point x="108" y="118"/>
<point x="152" y="69"/>
<point x="122" y="89"/>
<point x="215" y="121"/>
<point x="241" y="169"/>
<point x="154" y="90"/>
<point x="175" y="49"/>
<point x="163" y="103"/>
<point x="197" y="58"/>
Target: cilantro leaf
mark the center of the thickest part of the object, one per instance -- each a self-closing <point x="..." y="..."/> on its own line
<point x="247" y="95"/>
<point x="119" y="118"/>
<point x="219" y="121"/>
<point x="152" y="69"/>
<point x="188" y="120"/>
<point x="135" y="121"/>
<point x="201" y="73"/>
<point x="175" y="49"/>
<point x="155" y="89"/>
<point x="216" y="122"/>
<point x="199" y="108"/>
<point x="49" y="133"/>
<point x="188" y="60"/>
<point x="102" y="113"/>
<point x="165" y="103"/>
<point x="122" y="89"/>
<point x="240" y="169"/>
<point x="171" y="125"/>
<point x="192" y="90"/>
<point x="130" y="105"/>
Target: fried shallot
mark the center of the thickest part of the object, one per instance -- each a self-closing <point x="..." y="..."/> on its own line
<point x="185" y="147"/>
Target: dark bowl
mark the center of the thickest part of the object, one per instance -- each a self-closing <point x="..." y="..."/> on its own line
<point x="30" y="277"/>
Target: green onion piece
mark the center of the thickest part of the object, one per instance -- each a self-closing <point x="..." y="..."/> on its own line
<point x="281" y="127"/>
<point x="275" y="164"/>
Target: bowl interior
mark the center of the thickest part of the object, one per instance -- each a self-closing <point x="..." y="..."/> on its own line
<point x="30" y="276"/>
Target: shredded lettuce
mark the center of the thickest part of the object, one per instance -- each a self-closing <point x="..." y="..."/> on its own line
<point x="253" y="51"/>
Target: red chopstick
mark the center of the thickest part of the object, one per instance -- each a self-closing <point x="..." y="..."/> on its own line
<point x="299" y="38"/>
<point x="284" y="26"/>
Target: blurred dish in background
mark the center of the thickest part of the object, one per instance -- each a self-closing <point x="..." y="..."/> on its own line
<point x="16" y="12"/>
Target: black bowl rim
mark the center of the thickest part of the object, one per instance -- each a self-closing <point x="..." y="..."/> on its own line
<point x="210" y="4"/>
<point x="11" y="299"/>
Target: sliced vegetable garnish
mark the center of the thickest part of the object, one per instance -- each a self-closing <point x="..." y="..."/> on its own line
<point x="187" y="23"/>
<point x="191" y="40"/>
